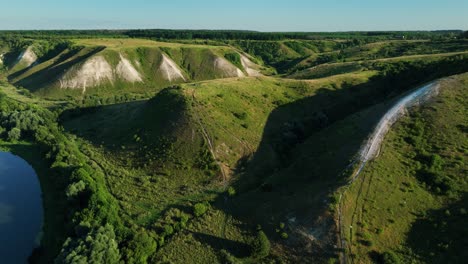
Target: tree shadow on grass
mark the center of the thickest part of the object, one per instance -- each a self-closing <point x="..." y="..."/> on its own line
<point x="441" y="236"/>
<point x="237" y="249"/>
<point x="50" y="74"/>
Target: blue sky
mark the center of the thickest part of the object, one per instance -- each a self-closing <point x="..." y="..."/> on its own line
<point x="262" y="15"/>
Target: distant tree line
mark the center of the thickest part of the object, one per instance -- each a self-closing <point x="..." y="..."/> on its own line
<point x="254" y="35"/>
<point x="171" y="34"/>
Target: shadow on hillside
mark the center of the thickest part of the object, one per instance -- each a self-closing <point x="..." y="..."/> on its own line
<point x="51" y="54"/>
<point x="99" y="123"/>
<point x="18" y="73"/>
<point x="237" y="249"/>
<point x="440" y="235"/>
<point x="307" y="144"/>
<point x="152" y="134"/>
<point x="50" y="74"/>
<point x="302" y="159"/>
<point x="305" y="152"/>
<point x="292" y="128"/>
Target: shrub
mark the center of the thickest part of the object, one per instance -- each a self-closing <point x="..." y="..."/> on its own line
<point x="366" y="243"/>
<point x="228" y="258"/>
<point x="75" y="188"/>
<point x="241" y="116"/>
<point x="184" y="219"/>
<point x="98" y="246"/>
<point x="390" y="257"/>
<point x="14" y="134"/>
<point x="231" y="191"/>
<point x="140" y="248"/>
<point x="168" y="230"/>
<point x="261" y="245"/>
<point x="284" y="235"/>
<point x="199" y="209"/>
<point x="234" y="58"/>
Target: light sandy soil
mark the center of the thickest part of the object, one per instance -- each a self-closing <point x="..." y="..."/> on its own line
<point x="91" y="73"/>
<point x="250" y="67"/>
<point x="371" y="149"/>
<point x="169" y="70"/>
<point x="127" y="72"/>
<point x="227" y="68"/>
<point x="28" y="57"/>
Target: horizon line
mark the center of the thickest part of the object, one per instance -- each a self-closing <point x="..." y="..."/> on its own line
<point x="239" y="30"/>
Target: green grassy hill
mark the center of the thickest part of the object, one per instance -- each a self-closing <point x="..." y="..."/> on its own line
<point x="282" y="144"/>
<point x="115" y="66"/>
<point x="193" y="152"/>
<point x="293" y="56"/>
<point x="410" y="202"/>
<point x="156" y="172"/>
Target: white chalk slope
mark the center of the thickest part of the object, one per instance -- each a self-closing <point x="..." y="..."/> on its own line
<point x="371" y="148"/>
<point x="227" y="68"/>
<point x="169" y="70"/>
<point x="126" y="71"/>
<point x="250" y="67"/>
<point x="96" y="71"/>
<point x="93" y="72"/>
<point x="26" y="58"/>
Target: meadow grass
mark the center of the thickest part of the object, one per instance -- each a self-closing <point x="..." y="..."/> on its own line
<point x="390" y="196"/>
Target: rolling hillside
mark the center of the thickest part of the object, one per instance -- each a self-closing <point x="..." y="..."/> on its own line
<point x="116" y="66"/>
<point x="417" y="182"/>
<point x="279" y="143"/>
<point x="238" y="151"/>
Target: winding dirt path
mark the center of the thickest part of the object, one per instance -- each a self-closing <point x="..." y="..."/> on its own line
<point x="208" y="141"/>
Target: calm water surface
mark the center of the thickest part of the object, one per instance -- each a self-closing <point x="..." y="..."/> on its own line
<point x="20" y="209"/>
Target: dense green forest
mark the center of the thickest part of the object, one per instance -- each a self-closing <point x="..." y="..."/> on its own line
<point x="235" y="35"/>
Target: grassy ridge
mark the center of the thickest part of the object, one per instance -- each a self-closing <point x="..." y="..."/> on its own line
<point x="310" y="130"/>
<point x="152" y="186"/>
<point x="192" y="174"/>
<point x="196" y="62"/>
<point x="289" y="57"/>
<point x="417" y="183"/>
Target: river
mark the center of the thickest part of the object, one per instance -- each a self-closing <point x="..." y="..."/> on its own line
<point x="21" y="213"/>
